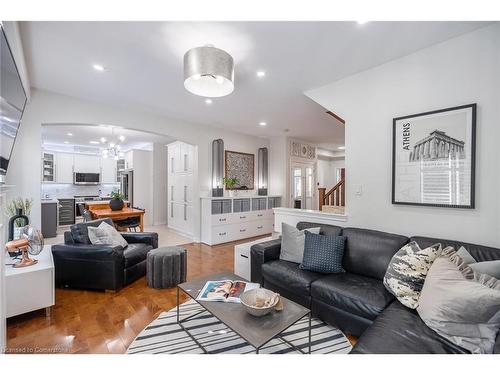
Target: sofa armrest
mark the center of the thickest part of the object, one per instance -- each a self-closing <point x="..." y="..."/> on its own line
<point x="149" y="238"/>
<point x="261" y="253"/>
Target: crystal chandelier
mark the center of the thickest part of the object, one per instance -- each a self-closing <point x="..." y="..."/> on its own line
<point x="208" y="71"/>
<point x="113" y="150"/>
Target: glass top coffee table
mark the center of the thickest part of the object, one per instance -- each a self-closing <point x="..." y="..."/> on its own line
<point x="256" y="331"/>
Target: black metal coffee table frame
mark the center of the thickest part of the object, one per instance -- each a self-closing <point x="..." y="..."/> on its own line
<point x="257" y="349"/>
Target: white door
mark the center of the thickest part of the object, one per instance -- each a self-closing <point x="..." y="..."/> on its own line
<point x="302" y="186"/>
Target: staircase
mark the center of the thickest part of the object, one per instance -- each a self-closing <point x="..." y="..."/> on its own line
<point x="334" y="200"/>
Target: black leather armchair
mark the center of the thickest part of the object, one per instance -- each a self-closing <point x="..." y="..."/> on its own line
<point x="79" y="264"/>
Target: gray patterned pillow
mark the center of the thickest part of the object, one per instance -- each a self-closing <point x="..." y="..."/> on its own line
<point x="105" y="234"/>
<point x="407" y="270"/>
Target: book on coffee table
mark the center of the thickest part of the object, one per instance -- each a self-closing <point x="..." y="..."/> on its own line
<point x="225" y="290"/>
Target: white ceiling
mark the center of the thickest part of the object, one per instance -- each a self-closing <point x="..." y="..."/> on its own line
<point x="79" y="136"/>
<point x="143" y="62"/>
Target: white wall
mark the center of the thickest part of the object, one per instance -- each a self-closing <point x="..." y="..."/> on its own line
<point x="143" y="183"/>
<point x="327" y="172"/>
<point x="160" y="184"/>
<point x="459" y="71"/>
<point x="278" y="168"/>
<point x="46" y="107"/>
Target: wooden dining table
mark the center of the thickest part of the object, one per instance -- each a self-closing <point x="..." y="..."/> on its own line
<point x="124" y="213"/>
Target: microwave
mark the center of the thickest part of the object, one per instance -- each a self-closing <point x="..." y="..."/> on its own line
<point x="86" y="178"/>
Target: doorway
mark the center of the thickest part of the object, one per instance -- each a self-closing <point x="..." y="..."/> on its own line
<point x="303" y="183"/>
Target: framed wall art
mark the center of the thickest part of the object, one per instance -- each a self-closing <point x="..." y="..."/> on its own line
<point x="433" y="158"/>
<point x="240" y="165"/>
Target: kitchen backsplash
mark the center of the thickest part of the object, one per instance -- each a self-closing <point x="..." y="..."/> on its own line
<point x="69" y="190"/>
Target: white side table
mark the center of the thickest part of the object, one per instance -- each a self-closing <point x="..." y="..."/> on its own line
<point x="242" y="257"/>
<point x="30" y="288"/>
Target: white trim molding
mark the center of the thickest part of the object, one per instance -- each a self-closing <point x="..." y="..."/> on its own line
<point x="292" y="216"/>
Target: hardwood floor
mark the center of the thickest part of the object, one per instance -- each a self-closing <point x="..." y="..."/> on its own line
<point x="97" y="322"/>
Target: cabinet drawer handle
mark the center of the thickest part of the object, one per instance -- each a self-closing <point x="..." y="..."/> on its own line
<point x="243" y="256"/>
<point x="259" y="215"/>
<point x="243" y="217"/>
<point x="243" y="230"/>
<point x="222" y="234"/>
<point x="222" y="219"/>
<point x="260" y="227"/>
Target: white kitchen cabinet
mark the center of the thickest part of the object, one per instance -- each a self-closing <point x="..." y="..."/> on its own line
<point x="64" y="168"/>
<point x="108" y="167"/>
<point x="186" y="156"/>
<point x="181" y="159"/>
<point x="48" y="167"/>
<point x="129" y="159"/>
<point x="87" y="163"/>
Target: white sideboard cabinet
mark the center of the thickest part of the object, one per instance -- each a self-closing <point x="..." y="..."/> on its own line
<point x="231" y="219"/>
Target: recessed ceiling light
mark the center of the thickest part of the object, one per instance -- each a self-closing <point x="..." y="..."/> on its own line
<point x="69" y="134"/>
<point x="94" y="142"/>
<point x="262" y="123"/>
<point x="208" y="101"/>
<point x="261" y="73"/>
<point x="66" y="142"/>
<point x="98" y="67"/>
<point x="341" y="147"/>
<point x="121" y="138"/>
<point x="361" y="22"/>
<point x="103" y="140"/>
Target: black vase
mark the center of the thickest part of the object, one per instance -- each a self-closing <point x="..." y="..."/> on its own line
<point x="116" y="204"/>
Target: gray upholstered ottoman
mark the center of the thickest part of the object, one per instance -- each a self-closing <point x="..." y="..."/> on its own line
<point x="166" y="267"/>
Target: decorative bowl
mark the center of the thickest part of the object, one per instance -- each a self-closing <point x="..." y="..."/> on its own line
<point x="259" y="302"/>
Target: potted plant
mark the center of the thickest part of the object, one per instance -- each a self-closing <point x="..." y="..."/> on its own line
<point x="116" y="202"/>
<point x="230" y="185"/>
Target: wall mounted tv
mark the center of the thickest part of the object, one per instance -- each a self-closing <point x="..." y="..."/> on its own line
<point x="12" y="102"/>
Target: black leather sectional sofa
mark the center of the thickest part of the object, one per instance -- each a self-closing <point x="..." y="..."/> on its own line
<point x="79" y="264"/>
<point x="356" y="301"/>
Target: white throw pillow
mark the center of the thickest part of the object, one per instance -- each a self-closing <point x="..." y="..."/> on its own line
<point x="292" y="242"/>
<point x="106" y="234"/>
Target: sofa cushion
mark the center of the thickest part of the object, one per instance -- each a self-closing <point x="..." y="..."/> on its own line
<point x="288" y="275"/>
<point x="135" y="253"/>
<point x="460" y="304"/>
<point x="360" y="295"/>
<point x="106" y="234"/>
<point x="406" y="272"/>
<point x="399" y="330"/>
<point x="479" y="253"/>
<point x="80" y="232"/>
<point x="377" y="247"/>
<point x="325" y="229"/>
<point x="292" y="242"/>
<point x="491" y="267"/>
<point x="323" y="254"/>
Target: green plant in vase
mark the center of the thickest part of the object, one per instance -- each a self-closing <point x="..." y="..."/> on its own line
<point x="116" y="202"/>
<point x="230" y="184"/>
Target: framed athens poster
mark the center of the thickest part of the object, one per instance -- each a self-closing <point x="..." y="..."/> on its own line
<point x="433" y="157"/>
<point x="240" y="165"/>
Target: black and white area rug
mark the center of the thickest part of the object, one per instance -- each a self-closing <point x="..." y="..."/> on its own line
<point x="165" y="336"/>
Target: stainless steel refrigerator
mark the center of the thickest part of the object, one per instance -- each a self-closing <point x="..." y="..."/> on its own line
<point x="127" y="185"/>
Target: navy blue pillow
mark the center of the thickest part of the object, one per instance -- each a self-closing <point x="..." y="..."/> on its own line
<point x="323" y="253"/>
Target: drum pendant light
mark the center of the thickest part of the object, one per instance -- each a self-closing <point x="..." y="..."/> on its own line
<point x="208" y="72"/>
